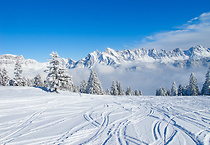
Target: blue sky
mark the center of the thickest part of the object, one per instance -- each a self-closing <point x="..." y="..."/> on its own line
<point x="35" y="28"/>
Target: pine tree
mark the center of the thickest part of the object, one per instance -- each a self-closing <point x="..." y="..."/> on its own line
<point x="46" y="84"/>
<point x="206" y="85"/>
<point x="157" y="92"/>
<point x="83" y="86"/>
<point x="132" y="93"/>
<point x="30" y="82"/>
<point x="24" y="81"/>
<point x="114" y="90"/>
<point x="65" y="82"/>
<point x="4" y="79"/>
<point x="169" y="92"/>
<point x="164" y="92"/>
<point x="129" y="91"/>
<point x="193" y="89"/>
<point x="18" y="71"/>
<point x="53" y="72"/>
<point x="57" y="78"/>
<point x="94" y="85"/>
<point x="1" y="80"/>
<point x="180" y="90"/>
<point x="120" y="88"/>
<point x="185" y="90"/>
<point x="137" y="93"/>
<point x="11" y="82"/>
<point x="161" y="92"/>
<point x="75" y="89"/>
<point x="174" y="89"/>
<point x="38" y="81"/>
<point x="107" y="92"/>
<point x="140" y="93"/>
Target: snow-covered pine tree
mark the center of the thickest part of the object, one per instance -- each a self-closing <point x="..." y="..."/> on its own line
<point x="94" y="85"/>
<point x="4" y="79"/>
<point x="83" y="86"/>
<point x="185" y="90"/>
<point x="140" y="93"/>
<point x="45" y="84"/>
<point x="107" y="92"/>
<point x="1" y="80"/>
<point x="164" y="92"/>
<point x="114" y="90"/>
<point x="53" y="72"/>
<point x="180" y="90"/>
<point x="65" y="82"/>
<point x="120" y="88"/>
<point x="157" y="92"/>
<point x="193" y="89"/>
<point x="24" y="81"/>
<point x="129" y="91"/>
<point x="57" y="78"/>
<point x="132" y="93"/>
<point x="18" y="71"/>
<point x="30" y="82"/>
<point x="0" y="77"/>
<point x="174" y="89"/>
<point x="76" y="89"/>
<point x="12" y="82"/>
<point x="137" y="93"/>
<point x="161" y="92"/>
<point x="169" y="92"/>
<point x="38" y="81"/>
<point x="206" y="85"/>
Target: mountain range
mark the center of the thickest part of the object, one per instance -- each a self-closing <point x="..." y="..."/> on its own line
<point x="193" y="57"/>
<point x="130" y="59"/>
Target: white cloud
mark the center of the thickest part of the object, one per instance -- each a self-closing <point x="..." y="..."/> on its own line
<point x="193" y="19"/>
<point x="195" y="32"/>
<point x="205" y="17"/>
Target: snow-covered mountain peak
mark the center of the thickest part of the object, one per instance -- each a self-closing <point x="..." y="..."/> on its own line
<point x="9" y="59"/>
<point x="11" y="56"/>
<point x="197" y="52"/>
<point x="111" y="52"/>
<point x="177" y="50"/>
<point x="117" y="58"/>
<point x="95" y="53"/>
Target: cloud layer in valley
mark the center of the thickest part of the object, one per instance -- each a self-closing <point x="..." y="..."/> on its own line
<point x="147" y="79"/>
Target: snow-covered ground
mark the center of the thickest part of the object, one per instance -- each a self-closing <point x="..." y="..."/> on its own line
<point x="33" y="116"/>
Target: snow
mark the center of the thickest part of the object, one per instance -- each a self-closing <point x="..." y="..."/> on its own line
<point x="33" y="116"/>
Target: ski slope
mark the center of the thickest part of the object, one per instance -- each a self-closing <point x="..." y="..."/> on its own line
<point x="33" y="116"/>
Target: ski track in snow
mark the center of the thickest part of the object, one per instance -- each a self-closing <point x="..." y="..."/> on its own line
<point x="37" y="117"/>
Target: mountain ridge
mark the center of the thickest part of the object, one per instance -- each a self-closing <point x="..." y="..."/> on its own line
<point x="175" y="57"/>
<point x="193" y="57"/>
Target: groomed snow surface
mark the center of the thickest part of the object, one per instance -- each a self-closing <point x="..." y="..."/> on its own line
<point x="34" y="116"/>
